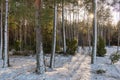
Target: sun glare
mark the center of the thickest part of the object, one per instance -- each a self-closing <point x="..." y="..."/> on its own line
<point x="91" y="15"/>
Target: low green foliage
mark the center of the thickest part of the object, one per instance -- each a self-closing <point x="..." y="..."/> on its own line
<point x="71" y="46"/>
<point x="114" y="57"/>
<point x="101" y="51"/>
<point x="17" y="44"/>
<point x="57" y="48"/>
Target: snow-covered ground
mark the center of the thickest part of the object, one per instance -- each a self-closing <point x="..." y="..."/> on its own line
<point x="76" y="67"/>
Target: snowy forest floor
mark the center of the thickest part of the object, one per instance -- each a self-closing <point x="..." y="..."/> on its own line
<point x="76" y="67"/>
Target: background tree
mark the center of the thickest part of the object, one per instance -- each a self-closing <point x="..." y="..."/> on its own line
<point x="1" y="27"/>
<point x="63" y="28"/>
<point x="52" y="61"/>
<point x="39" y="47"/>
<point x="94" y="50"/>
<point x="5" y="61"/>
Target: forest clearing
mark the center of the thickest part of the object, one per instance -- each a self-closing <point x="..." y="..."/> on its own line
<point x="66" y="68"/>
<point x="59" y="39"/>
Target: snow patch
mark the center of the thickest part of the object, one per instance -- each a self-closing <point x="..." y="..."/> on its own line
<point x="76" y="67"/>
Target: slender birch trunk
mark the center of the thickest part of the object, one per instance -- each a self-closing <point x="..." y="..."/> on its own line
<point x="1" y="24"/>
<point x="118" y="44"/>
<point x="39" y="47"/>
<point x="63" y="28"/>
<point x="94" y="49"/>
<point x="52" y="61"/>
<point x="5" y="62"/>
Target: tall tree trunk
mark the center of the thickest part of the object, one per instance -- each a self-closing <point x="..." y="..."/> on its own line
<point x="94" y="49"/>
<point x="78" y="29"/>
<point x="25" y="32"/>
<point x="109" y="36"/>
<point x="88" y="35"/>
<point x="70" y="25"/>
<point x="118" y="44"/>
<point x="104" y="31"/>
<point x="52" y="61"/>
<point x="39" y="47"/>
<point x="20" y="35"/>
<point x="73" y="23"/>
<point x="83" y="31"/>
<point x="5" y="62"/>
<point x="1" y="24"/>
<point x="118" y="39"/>
<point x="63" y="28"/>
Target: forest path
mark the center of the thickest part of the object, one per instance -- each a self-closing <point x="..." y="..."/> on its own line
<point x="76" y="67"/>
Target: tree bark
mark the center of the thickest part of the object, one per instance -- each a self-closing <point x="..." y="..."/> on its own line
<point x="1" y="24"/>
<point x="20" y="35"/>
<point x="88" y="35"/>
<point x="109" y="36"/>
<point x="52" y="61"/>
<point x="25" y="33"/>
<point x="39" y="47"/>
<point x="118" y="39"/>
<point x="94" y="49"/>
<point x="5" y="62"/>
<point x="63" y="28"/>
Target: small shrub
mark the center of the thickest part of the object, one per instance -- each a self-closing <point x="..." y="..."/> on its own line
<point x="114" y="58"/>
<point x="17" y="45"/>
<point x="100" y="71"/>
<point x="71" y="46"/>
<point x="101" y="51"/>
<point x="57" y="48"/>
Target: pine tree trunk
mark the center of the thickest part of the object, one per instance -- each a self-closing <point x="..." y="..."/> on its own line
<point x="118" y="39"/>
<point x="78" y="30"/>
<point x="25" y="33"/>
<point x="20" y="35"/>
<point x="70" y="32"/>
<point x="88" y="30"/>
<point x="1" y="26"/>
<point x="52" y="61"/>
<point x="5" y="62"/>
<point x="1" y="41"/>
<point x="39" y="47"/>
<point x="63" y="28"/>
<point x="118" y="44"/>
<point x="94" y="49"/>
<point x="109" y="37"/>
<point x="73" y="24"/>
